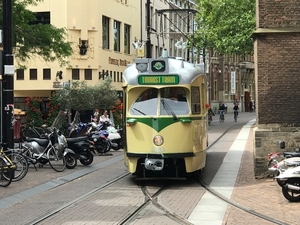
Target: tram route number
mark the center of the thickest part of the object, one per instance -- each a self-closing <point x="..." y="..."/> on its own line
<point x="158" y="79"/>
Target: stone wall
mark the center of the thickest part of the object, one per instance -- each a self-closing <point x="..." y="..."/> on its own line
<point x="267" y="139"/>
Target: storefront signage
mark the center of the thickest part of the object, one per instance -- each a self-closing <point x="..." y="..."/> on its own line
<point x="118" y="62"/>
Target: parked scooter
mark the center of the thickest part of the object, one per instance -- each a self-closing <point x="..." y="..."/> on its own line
<point x="279" y="167"/>
<point x="113" y="136"/>
<point x="101" y="142"/>
<point x="280" y="162"/>
<point x="83" y="149"/>
<point x="291" y="183"/>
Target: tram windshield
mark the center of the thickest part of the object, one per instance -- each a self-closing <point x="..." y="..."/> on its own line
<point x="171" y="101"/>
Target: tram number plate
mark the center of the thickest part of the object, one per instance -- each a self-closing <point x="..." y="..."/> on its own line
<point x="158" y="150"/>
<point x="158" y="79"/>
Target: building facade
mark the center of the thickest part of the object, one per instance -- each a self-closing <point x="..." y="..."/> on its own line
<point x="101" y="36"/>
<point x="231" y="79"/>
<point x="277" y="51"/>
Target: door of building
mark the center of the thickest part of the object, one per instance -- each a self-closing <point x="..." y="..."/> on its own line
<point x="247" y="101"/>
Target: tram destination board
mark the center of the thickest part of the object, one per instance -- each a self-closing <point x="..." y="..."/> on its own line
<point x="158" y="79"/>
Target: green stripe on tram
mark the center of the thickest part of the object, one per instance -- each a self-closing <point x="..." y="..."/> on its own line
<point x="159" y="124"/>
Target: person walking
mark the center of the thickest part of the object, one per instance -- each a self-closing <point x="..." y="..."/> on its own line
<point x="251" y="106"/>
<point x="96" y="116"/>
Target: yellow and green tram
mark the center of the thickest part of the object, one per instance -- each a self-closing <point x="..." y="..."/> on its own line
<point x="165" y="118"/>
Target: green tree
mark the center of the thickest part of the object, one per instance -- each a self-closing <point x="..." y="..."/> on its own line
<point x="225" y="26"/>
<point x="33" y="38"/>
<point x="80" y="97"/>
<point x="105" y="95"/>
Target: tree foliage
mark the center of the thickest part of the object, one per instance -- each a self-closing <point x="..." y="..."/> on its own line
<point x="105" y="95"/>
<point x="225" y="26"/>
<point x="80" y="97"/>
<point x="33" y="38"/>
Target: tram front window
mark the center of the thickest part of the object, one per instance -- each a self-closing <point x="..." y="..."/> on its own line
<point x="173" y="101"/>
<point x="146" y="103"/>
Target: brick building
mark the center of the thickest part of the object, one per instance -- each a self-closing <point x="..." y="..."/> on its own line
<point x="277" y="70"/>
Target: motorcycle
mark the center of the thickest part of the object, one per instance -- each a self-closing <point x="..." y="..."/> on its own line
<point x="291" y="183"/>
<point x="82" y="148"/>
<point x="52" y="149"/>
<point x="101" y="142"/>
<point x="114" y="136"/>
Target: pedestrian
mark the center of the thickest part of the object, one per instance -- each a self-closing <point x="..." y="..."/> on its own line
<point x="104" y="119"/>
<point x="96" y="116"/>
<point x="251" y="106"/>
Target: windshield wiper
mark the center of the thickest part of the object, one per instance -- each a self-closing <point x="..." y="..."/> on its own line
<point x="168" y="109"/>
<point x="143" y="113"/>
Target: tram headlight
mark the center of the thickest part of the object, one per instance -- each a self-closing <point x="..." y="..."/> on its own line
<point x="158" y="140"/>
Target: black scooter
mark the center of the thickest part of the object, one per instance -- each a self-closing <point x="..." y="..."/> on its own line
<point x="83" y="148"/>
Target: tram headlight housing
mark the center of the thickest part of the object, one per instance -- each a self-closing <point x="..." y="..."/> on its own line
<point x="158" y="140"/>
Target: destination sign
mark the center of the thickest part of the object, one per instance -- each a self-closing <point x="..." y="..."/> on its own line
<point x="158" y="79"/>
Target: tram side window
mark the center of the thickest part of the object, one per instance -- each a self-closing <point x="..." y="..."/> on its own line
<point x="145" y="104"/>
<point x="195" y="100"/>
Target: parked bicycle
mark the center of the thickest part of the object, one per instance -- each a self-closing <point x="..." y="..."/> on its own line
<point x="20" y="162"/>
<point x="6" y="168"/>
<point x="35" y="132"/>
<point x="51" y="149"/>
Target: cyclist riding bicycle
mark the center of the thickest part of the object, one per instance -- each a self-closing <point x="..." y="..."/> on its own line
<point x="221" y="111"/>
<point x="235" y="111"/>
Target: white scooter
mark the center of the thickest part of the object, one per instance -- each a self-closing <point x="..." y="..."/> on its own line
<point x="278" y="167"/>
<point x="291" y="183"/>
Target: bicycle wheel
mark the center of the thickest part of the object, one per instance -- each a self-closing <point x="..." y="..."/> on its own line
<point x="56" y="160"/>
<point x="21" y="165"/>
<point x="5" y="174"/>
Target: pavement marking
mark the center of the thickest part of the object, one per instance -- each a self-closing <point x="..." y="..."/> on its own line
<point x="211" y="210"/>
<point x="23" y="195"/>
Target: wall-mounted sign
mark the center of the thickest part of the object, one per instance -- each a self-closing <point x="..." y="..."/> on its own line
<point x="233" y="82"/>
<point x="158" y="79"/>
<point x="118" y="62"/>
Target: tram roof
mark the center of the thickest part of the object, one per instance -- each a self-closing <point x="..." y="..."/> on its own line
<point x="187" y="72"/>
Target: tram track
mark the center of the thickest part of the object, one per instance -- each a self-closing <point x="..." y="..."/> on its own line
<point x="70" y="204"/>
<point x="152" y="199"/>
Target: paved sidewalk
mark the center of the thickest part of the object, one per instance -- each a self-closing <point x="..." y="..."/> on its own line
<point x="211" y="210"/>
<point x="262" y="196"/>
